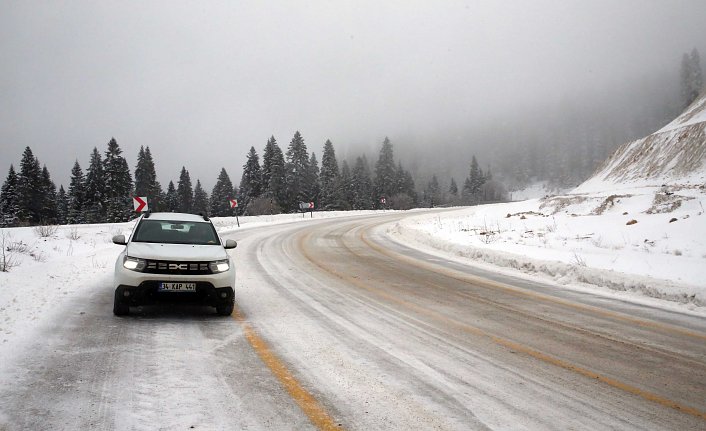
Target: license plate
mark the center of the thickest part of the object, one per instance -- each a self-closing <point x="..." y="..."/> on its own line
<point x="177" y="287"/>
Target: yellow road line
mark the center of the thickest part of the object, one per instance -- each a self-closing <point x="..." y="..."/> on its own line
<point x="507" y="343"/>
<point x="483" y="282"/>
<point x="304" y="399"/>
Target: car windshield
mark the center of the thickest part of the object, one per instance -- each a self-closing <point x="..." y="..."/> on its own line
<point x="176" y="232"/>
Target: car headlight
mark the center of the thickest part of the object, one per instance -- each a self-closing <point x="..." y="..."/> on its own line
<point x="220" y="266"/>
<point x="134" y="264"/>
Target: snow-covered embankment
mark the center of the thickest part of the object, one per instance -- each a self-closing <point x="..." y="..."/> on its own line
<point x="583" y="241"/>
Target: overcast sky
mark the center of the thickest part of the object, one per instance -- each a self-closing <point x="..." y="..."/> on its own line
<point x="200" y="82"/>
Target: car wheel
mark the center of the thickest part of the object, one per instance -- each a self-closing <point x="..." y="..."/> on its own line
<point x="120" y="306"/>
<point x="225" y="309"/>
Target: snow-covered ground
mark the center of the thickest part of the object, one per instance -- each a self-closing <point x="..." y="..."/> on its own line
<point x="584" y="241"/>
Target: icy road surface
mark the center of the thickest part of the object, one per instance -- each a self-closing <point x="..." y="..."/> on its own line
<point x="339" y="327"/>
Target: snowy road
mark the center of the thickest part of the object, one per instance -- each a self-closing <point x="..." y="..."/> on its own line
<point x="340" y="327"/>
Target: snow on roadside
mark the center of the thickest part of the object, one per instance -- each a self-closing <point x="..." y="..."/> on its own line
<point x="50" y="270"/>
<point x="583" y="241"/>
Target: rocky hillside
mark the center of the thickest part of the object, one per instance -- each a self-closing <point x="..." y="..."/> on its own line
<point x="674" y="155"/>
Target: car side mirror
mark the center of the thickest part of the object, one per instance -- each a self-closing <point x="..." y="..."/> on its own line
<point x="119" y="239"/>
<point x="230" y="243"/>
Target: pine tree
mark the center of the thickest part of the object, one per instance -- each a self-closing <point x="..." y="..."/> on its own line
<point x="453" y="189"/>
<point x="250" y="182"/>
<point x="312" y="186"/>
<point x="328" y="178"/>
<point x="404" y="185"/>
<point x="385" y="172"/>
<point x="467" y="191"/>
<point x="10" y="200"/>
<point x="146" y="183"/>
<point x="273" y="173"/>
<point x="200" y="199"/>
<point x="95" y="197"/>
<point x="432" y="192"/>
<point x="48" y="211"/>
<point x="474" y="182"/>
<point x="297" y="171"/>
<point x="118" y="185"/>
<point x="142" y="178"/>
<point x="171" y="199"/>
<point x="30" y="189"/>
<point x="362" y="186"/>
<point x="346" y="188"/>
<point x="185" y="194"/>
<point x="75" y="214"/>
<point x="62" y="206"/>
<point x="267" y="160"/>
<point x="222" y="192"/>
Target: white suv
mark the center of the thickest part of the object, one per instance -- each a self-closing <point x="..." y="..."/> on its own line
<point x="173" y="257"/>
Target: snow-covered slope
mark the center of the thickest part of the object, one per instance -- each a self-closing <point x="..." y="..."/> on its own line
<point x="674" y="155"/>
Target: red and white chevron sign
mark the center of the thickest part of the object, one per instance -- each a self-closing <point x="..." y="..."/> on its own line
<point x="233" y="203"/>
<point x="140" y="203"/>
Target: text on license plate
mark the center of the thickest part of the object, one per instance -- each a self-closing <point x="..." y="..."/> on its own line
<point x="177" y="287"/>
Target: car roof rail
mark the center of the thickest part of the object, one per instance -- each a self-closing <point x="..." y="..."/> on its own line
<point x="146" y="214"/>
<point x="205" y="217"/>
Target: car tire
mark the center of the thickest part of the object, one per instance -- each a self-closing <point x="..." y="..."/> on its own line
<point x="120" y="306"/>
<point x="225" y="309"/>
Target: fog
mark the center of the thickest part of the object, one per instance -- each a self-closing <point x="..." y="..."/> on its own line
<point x="201" y="82"/>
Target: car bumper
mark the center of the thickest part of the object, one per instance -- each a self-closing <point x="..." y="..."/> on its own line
<point x="148" y="292"/>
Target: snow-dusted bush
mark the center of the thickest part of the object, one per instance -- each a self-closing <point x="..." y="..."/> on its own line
<point x="45" y="231"/>
<point x="8" y="259"/>
<point x="72" y="233"/>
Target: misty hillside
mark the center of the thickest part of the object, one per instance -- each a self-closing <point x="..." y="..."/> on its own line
<point x="672" y="155"/>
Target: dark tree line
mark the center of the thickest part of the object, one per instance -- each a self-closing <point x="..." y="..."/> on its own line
<point x="103" y="192"/>
<point x="286" y="179"/>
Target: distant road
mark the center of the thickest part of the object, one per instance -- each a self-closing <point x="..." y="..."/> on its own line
<point x="337" y="327"/>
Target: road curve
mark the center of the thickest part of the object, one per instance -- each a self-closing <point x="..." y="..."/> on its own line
<point x="420" y="342"/>
<point x="339" y="327"/>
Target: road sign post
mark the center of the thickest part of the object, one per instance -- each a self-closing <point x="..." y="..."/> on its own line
<point x="307" y="206"/>
<point x="140" y="204"/>
<point x="234" y="204"/>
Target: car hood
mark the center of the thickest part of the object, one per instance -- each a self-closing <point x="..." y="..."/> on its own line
<point x="183" y="252"/>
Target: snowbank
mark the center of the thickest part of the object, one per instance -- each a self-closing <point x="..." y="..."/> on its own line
<point x="583" y="241"/>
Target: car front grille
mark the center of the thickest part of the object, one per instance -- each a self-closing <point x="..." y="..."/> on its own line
<point x="177" y="268"/>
